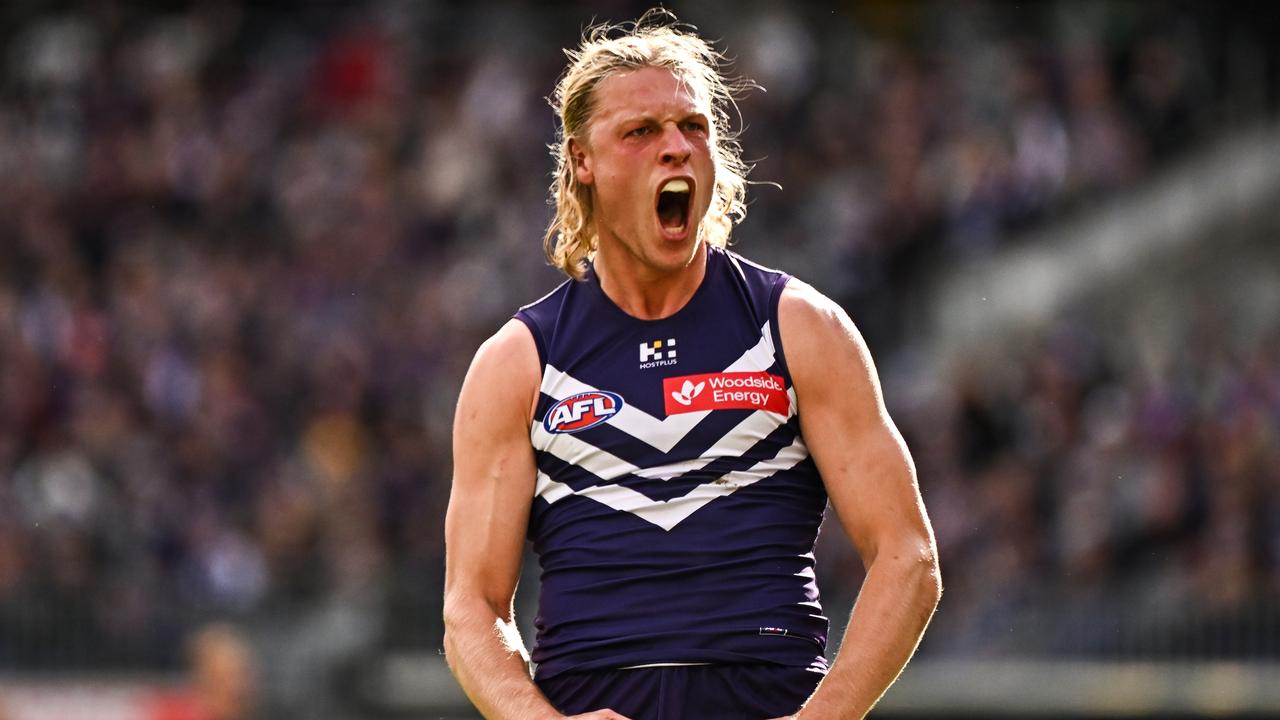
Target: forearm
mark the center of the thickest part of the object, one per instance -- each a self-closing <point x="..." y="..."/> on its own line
<point x="897" y="599"/>
<point x="490" y="667"/>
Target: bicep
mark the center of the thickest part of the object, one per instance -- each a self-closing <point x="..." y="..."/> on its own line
<point x="862" y="458"/>
<point x="493" y="470"/>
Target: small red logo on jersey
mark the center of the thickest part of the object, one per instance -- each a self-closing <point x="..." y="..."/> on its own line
<point x="726" y="391"/>
<point x="581" y="411"/>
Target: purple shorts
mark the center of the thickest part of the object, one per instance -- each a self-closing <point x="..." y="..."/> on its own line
<point x="713" y="692"/>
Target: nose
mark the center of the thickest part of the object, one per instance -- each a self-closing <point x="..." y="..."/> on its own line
<point x="675" y="146"/>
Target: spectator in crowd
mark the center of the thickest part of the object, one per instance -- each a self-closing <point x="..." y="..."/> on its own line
<point x="222" y="679"/>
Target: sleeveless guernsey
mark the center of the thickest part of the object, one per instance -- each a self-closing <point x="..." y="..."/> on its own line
<point x="676" y="505"/>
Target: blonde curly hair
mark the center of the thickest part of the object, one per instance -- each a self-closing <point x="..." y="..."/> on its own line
<point x="654" y="40"/>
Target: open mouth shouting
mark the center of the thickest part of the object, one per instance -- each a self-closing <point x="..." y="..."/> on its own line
<point x="673" y="203"/>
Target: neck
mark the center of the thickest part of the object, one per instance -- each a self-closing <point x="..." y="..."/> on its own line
<point x="646" y="293"/>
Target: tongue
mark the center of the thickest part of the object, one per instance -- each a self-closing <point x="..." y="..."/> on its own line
<point x="670" y="210"/>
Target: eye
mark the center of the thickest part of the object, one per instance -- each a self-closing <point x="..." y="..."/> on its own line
<point x="638" y="131"/>
<point x="697" y="126"/>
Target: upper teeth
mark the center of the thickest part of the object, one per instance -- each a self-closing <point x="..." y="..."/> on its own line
<point x="676" y="186"/>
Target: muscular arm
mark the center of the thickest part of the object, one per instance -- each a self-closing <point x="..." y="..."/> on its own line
<point x="871" y="481"/>
<point x="484" y="529"/>
<point x="493" y="479"/>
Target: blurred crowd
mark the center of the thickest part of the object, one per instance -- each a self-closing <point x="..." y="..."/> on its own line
<point x="246" y="253"/>
<point x="1110" y="490"/>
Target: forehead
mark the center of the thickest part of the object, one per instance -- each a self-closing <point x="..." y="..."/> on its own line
<point x="648" y="91"/>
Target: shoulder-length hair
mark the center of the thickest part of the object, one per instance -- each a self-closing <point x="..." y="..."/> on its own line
<point x="655" y="40"/>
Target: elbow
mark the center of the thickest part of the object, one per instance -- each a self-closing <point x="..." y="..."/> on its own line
<point x="452" y="613"/>
<point x="913" y="569"/>
<point x="459" y="614"/>
<point x="452" y="616"/>
<point x="463" y="622"/>
<point x="466" y="614"/>
<point x="926" y="575"/>
<point x="932" y="579"/>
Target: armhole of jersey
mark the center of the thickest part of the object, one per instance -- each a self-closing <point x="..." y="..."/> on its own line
<point x="530" y="323"/>
<point x="775" y="297"/>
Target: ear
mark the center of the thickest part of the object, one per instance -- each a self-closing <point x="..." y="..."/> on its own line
<point x="581" y="162"/>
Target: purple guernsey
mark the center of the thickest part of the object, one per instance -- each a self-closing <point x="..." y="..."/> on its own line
<point x="676" y="505"/>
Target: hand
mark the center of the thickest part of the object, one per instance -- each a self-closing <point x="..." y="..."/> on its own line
<point x="605" y="714"/>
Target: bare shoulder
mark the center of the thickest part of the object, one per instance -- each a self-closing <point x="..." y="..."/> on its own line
<point x="830" y="364"/>
<point x="805" y="302"/>
<point x="813" y="327"/>
<point x="511" y="347"/>
<point x="505" y="366"/>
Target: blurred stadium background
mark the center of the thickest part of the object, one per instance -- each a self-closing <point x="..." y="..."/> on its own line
<point x="247" y="250"/>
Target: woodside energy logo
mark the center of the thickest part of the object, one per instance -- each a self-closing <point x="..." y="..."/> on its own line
<point x="726" y="391"/>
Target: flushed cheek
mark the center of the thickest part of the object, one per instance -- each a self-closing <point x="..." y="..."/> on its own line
<point x="614" y="192"/>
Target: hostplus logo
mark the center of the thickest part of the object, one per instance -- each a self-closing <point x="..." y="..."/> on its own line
<point x="657" y="353"/>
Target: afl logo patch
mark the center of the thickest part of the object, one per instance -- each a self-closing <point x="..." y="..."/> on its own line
<point x="582" y="411"/>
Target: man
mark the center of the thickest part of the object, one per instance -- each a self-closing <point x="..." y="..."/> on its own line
<point x="223" y="682"/>
<point x="643" y="426"/>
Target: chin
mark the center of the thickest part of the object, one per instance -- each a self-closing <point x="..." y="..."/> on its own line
<point x="679" y="254"/>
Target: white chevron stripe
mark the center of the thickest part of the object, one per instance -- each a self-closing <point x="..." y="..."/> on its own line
<point x="608" y="467"/>
<point x="759" y="357"/>
<point x="574" y="451"/>
<point x="550" y="490"/>
<point x="662" y="434"/>
<point x="666" y="514"/>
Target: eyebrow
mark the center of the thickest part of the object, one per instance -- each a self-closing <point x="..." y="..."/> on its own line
<point x="650" y="117"/>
